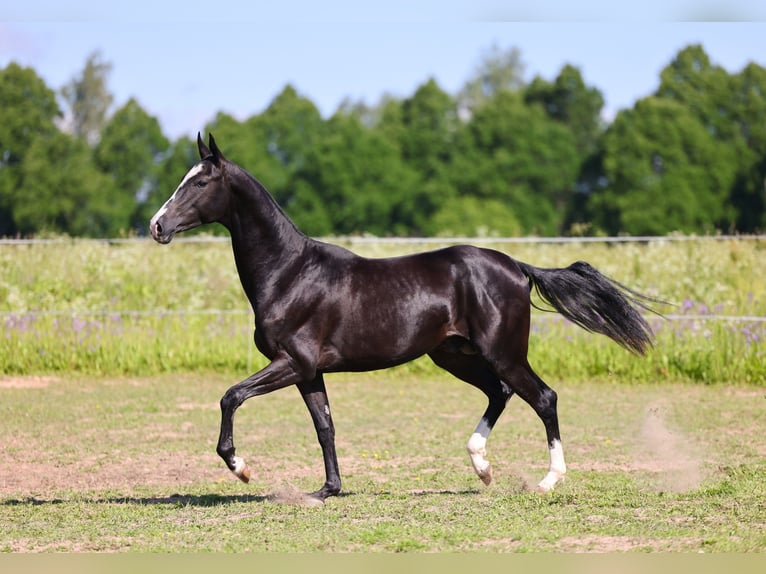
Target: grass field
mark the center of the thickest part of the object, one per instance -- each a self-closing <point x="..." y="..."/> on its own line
<point x="114" y="356"/>
<point x="141" y="309"/>
<point x="129" y="464"/>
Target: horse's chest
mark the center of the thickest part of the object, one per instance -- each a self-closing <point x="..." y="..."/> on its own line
<point x="265" y="344"/>
<point x="272" y="333"/>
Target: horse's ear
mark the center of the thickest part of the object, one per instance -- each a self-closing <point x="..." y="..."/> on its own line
<point x="204" y="151"/>
<point x="214" y="148"/>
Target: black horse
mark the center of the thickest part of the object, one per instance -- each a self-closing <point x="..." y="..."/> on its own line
<point x="320" y="308"/>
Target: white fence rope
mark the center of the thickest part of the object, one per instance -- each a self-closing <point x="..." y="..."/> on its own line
<point x="362" y="240"/>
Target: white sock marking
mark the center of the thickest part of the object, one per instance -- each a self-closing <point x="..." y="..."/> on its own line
<point x="239" y="465"/>
<point x="557" y="469"/>
<point x="477" y="451"/>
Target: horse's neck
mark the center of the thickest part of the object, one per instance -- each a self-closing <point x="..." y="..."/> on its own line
<point x="265" y="241"/>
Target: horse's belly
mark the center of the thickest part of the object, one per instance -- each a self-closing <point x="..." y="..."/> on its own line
<point x="385" y="341"/>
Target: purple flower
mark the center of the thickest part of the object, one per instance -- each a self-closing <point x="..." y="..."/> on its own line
<point x="78" y="324"/>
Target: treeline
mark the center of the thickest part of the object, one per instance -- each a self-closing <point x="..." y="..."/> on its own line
<point x="500" y="157"/>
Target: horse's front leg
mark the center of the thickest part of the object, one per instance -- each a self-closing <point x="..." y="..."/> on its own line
<point x="315" y="397"/>
<point x="276" y="375"/>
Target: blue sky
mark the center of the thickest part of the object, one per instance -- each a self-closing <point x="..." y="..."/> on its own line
<point x="185" y="61"/>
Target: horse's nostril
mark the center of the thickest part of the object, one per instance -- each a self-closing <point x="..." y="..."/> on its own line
<point x="158" y="227"/>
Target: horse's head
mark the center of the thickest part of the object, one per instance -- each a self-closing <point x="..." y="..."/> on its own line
<point x="200" y="198"/>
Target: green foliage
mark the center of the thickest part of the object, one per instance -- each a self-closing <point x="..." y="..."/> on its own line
<point x="518" y="155"/>
<point x="61" y="191"/>
<point x="89" y="99"/>
<point x="665" y="171"/>
<point x="703" y="88"/>
<point x="732" y="109"/>
<point x="574" y="104"/>
<point x="537" y="156"/>
<point x="355" y="180"/>
<point x="430" y="122"/>
<point x="130" y="147"/>
<point x="137" y="308"/>
<point x="469" y="216"/>
<point x="499" y="71"/>
<point x="27" y="110"/>
<point x="99" y="384"/>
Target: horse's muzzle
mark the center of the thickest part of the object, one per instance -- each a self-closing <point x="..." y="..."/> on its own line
<point x="158" y="232"/>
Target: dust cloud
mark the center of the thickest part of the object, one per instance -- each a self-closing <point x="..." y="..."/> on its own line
<point x="669" y="454"/>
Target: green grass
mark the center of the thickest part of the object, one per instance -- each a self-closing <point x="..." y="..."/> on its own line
<point x="128" y="464"/>
<point x="114" y="357"/>
<point x="138" y="308"/>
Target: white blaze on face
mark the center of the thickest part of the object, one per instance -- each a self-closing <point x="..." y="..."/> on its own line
<point x="190" y="174"/>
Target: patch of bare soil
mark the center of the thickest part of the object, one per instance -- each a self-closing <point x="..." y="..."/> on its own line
<point x="33" y="478"/>
<point x="26" y="382"/>
<point x="607" y="544"/>
<point x="745" y="393"/>
<point x="502" y="544"/>
<point x="100" y="471"/>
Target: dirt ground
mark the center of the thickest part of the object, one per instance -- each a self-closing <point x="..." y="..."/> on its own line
<point x="674" y="458"/>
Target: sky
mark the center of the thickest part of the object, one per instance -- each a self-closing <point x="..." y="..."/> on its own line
<point x="185" y="61"/>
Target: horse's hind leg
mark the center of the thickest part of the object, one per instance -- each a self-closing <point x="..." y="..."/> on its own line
<point x="474" y="370"/>
<point x="530" y="387"/>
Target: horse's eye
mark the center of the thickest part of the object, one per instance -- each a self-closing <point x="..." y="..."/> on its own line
<point x="200" y="183"/>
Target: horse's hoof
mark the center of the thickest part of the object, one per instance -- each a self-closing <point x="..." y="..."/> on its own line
<point x="551" y="480"/>
<point x="486" y="475"/>
<point x="240" y="470"/>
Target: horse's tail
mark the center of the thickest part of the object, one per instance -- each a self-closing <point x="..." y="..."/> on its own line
<point x="595" y="302"/>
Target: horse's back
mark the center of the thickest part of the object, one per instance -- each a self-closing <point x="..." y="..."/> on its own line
<point x="484" y="267"/>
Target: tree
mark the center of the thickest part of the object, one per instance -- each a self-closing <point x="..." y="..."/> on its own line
<point x="516" y="154"/>
<point x="665" y="172"/>
<point x="61" y="191"/>
<point x="28" y="110"/>
<point x="470" y="216"/>
<point x="732" y="108"/>
<point x="430" y="122"/>
<point x="130" y="148"/>
<point x="353" y="179"/>
<point x="499" y="71"/>
<point x="288" y="129"/>
<point x="748" y="105"/>
<point x="88" y="99"/>
<point x="368" y="115"/>
<point x="272" y="145"/>
<point x="569" y="101"/>
<point x="428" y="127"/>
<point x="749" y="111"/>
<point x="703" y="88"/>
